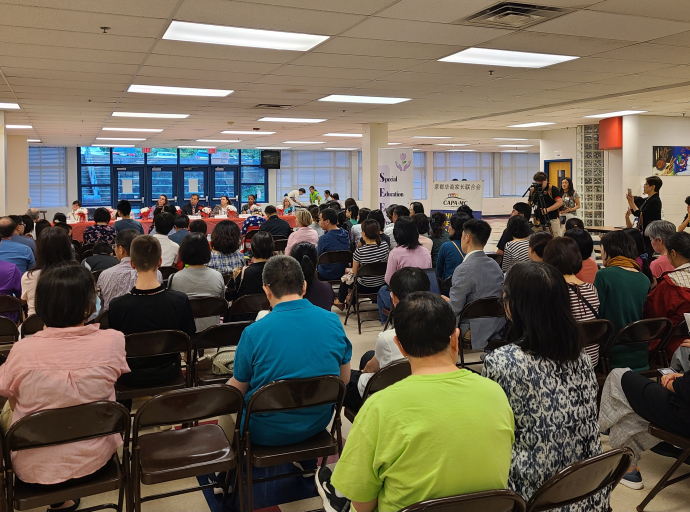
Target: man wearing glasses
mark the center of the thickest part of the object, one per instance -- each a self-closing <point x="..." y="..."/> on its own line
<point x="19" y="235"/>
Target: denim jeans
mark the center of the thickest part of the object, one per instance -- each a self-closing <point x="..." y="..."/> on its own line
<point x="384" y="302"/>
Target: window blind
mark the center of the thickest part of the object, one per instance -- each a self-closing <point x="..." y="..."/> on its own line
<point x="47" y="176"/>
<point x="517" y="170"/>
<point x="326" y="170"/>
<point x="468" y="166"/>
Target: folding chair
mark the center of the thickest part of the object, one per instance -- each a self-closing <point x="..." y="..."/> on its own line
<point x="386" y="376"/>
<point x="9" y="333"/>
<point x="431" y="274"/>
<point x="215" y="337"/>
<point x="280" y="244"/>
<point x="247" y="306"/>
<point x="658" y="355"/>
<point x="61" y="426"/>
<point x="77" y="247"/>
<point x="444" y="286"/>
<point x="596" y="333"/>
<point x="31" y="325"/>
<point x="635" y="332"/>
<point x="291" y="395"/>
<point x="166" y="272"/>
<point x="188" y="452"/>
<point x="500" y="500"/>
<point x="156" y="343"/>
<point x="86" y="247"/>
<point x="208" y="306"/>
<point x="95" y="275"/>
<point x="367" y="270"/>
<point x="11" y="305"/>
<point x="681" y="442"/>
<point x="581" y="480"/>
<point x="333" y="257"/>
<point x="85" y="253"/>
<point x="498" y="258"/>
<point x="489" y="307"/>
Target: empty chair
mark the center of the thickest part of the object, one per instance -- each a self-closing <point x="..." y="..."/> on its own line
<point x="383" y="378"/>
<point x="11" y="307"/>
<point x="377" y="269"/>
<point x="596" y="334"/>
<point x="247" y="307"/>
<point x="490" y="307"/>
<point x="634" y="335"/>
<point x="500" y="500"/>
<point x="9" y="333"/>
<point x="215" y="337"/>
<point x="31" y="326"/>
<point x="192" y="451"/>
<point x="280" y="244"/>
<point x="62" y="426"/>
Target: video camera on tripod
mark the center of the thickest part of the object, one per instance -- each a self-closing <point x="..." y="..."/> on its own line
<point x="536" y="200"/>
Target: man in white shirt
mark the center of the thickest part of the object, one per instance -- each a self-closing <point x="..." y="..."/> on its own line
<point x="293" y="196"/>
<point x="164" y="223"/>
<point x="405" y="281"/>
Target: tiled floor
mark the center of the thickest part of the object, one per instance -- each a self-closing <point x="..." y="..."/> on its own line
<point x="652" y="466"/>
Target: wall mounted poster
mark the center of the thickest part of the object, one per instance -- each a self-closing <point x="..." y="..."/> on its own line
<point x="396" y="177"/>
<point x="447" y="196"/>
<point x="671" y="160"/>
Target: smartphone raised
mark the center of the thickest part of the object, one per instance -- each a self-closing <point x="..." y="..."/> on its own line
<point x="666" y="371"/>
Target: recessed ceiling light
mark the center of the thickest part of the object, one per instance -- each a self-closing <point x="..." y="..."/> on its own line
<point x="529" y="125"/>
<point x="112" y="145"/>
<point x="429" y="137"/>
<point x="151" y="115"/>
<point x="19" y="126"/>
<point x="342" y="134"/>
<point x="291" y="120"/>
<point x="378" y="100"/>
<point x="452" y="145"/>
<point x="246" y="132"/>
<point x="302" y="142"/>
<point x="341" y="149"/>
<point x="273" y="147"/>
<point x="117" y="138"/>
<point x="221" y="141"/>
<point x="9" y="106"/>
<point x="196" y="147"/>
<point x="146" y="130"/>
<point x="490" y="57"/>
<point x="32" y="140"/>
<point x="514" y="151"/>
<point x="461" y="150"/>
<point x="234" y="36"/>
<point x="394" y="143"/>
<point x="179" y="91"/>
<point x="619" y="113"/>
<point x="516" y="145"/>
<point x="507" y="138"/>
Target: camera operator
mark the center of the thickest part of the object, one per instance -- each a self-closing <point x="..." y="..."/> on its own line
<point x="552" y="203"/>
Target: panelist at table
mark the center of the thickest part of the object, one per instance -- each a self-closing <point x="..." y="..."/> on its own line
<point x="193" y="207"/>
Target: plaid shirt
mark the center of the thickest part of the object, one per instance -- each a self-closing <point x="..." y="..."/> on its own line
<point x="226" y="263"/>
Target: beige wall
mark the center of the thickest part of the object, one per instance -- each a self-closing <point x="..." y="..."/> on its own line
<point x="17" y="175"/>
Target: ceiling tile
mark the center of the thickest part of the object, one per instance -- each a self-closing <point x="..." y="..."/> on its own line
<point x="149" y="8"/>
<point x="541" y="42"/>
<point x="68" y="65"/>
<point x="351" y="61"/>
<point x="381" y="48"/>
<point x="676" y="10"/>
<point x="73" y="54"/>
<point x="88" y="40"/>
<point x="646" y="52"/>
<point x="217" y="51"/>
<point x="219" y="65"/>
<point x="351" y="6"/>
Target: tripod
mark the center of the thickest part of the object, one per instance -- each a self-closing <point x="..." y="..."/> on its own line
<point x="537" y="202"/>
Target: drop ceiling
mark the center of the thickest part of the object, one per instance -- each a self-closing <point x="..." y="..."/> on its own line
<point x="69" y="76"/>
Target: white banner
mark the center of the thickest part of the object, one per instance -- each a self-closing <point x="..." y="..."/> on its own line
<point x="447" y="196"/>
<point x="396" y="177"/>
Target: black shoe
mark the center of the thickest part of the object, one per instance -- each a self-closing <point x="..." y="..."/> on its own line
<point x="331" y="502"/>
<point x="307" y="465"/>
<point x="68" y="509"/>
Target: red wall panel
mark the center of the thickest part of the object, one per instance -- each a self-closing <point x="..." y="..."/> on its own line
<point x="611" y="133"/>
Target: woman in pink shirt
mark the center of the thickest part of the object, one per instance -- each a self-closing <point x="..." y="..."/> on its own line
<point x="304" y="232"/>
<point x="66" y="364"/>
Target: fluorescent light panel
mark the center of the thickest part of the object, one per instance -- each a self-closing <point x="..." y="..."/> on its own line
<point x="507" y="138"/>
<point x="273" y="147"/>
<point x="291" y="120"/>
<point x="143" y="130"/>
<point x="452" y="145"/>
<point x="461" y="150"/>
<point x="302" y="142"/>
<point x="341" y="149"/>
<point x="429" y="137"/>
<point x="617" y="114"/>
<point x="516" y="145"/>
<point x="246" y="132"/>
<point x="529" y="125"/>
<point x="112" y="145"/>
<point x="222" y="141"/>
<point x="32" y="140"/>
<point x="179" y="91"/>
<point x="342" y="134"/>
<point x="378" y="100"/>
<point x="117" y="138"/>
<point x="150" y="115"/>
<point x="196" y="147"/>
<point x="490" y="57"/>
<point x="9" y="106"/>
<point x="19" y="126"/>
<point x="235" y="36"/>
<point x="394" y="143"/>
<point x="515" y="151"/>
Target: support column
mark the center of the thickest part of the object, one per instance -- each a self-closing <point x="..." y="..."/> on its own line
<point x="3" y="165"/>
<point x="375" y="136"/>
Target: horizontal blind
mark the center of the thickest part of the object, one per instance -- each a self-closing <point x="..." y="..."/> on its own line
<point x="47" y="176"/>
<point x="465" y="165"/>
<point x="516" y="171"/>
<point x="419" y="175"/>
<point x="326" y="170"/>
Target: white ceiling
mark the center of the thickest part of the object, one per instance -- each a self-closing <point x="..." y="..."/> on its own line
<point x="69" y="77"/>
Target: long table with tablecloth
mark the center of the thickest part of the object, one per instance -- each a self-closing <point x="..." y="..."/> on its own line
<point x="79" y="227"/>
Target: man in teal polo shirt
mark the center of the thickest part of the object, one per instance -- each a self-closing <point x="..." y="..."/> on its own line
<point x="273" y="348"/>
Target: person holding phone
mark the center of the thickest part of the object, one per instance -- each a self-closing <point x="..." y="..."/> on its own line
<point x="646" y="209"/>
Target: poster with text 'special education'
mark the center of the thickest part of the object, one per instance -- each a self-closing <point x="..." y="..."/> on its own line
<point x="396" y="177"/>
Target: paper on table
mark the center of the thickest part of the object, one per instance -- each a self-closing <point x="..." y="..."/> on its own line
<point x="126" y="186"/>
<point x="193" y="185"/>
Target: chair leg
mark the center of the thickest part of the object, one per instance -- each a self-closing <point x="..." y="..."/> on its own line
<point x="250" y="487"/>
<point x="136" y="482"/>
<point x="121" y="495"/>
<point x="462" y="355"/>
<point x="226" y="485"/>
<point x="240" y="483"/>
<point x="665" y="482"/>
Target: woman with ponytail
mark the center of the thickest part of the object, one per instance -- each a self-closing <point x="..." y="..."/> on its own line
<point x="319" y="293"/>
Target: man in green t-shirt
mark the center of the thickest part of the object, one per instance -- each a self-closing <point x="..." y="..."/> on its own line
<point x="314" y="197"/>
<point x="442" y="431"/>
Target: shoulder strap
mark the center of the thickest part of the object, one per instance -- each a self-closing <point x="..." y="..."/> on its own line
<point x="582" y="299"/>
<point x="458" y="249"/>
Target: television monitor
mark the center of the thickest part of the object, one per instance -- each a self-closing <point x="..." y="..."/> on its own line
<point x="270" y="159"/>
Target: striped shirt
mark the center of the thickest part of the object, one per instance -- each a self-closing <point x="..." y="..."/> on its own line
<point x="515" y="252"/>
<point x="581" y="312"/>
<point x="371" y="253"/>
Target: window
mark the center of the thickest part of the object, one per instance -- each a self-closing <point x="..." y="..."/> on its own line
<point x="128" y="156"/>
<point x="162" y="156"/>
<point x="224" y="184"/>
<point x="95" y="155"/>
<point x="251" y="157"/>
<point x="516" y="171"/>
<point x="419" y="175"/>
<point x="194" y="156"/>
<point x="324" y="169"/>
<point x="468" y="166"/>
<point x="253" y="182"/>
<point x="162" y="182"/>
<point x="47" y="177"/>
<point x="95" y="185"/>
<point x="226" y="157"/>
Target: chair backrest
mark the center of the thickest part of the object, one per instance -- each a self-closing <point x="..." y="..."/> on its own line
<point x="8" y="330"/>
<point x="250" y="233"/>
<point x="208" y="306"/>
<point x="252" y="303"/>
<point x="156" y="343"/>
<point x="680" y="329"/>
<point x="103" y="319"/>
<point x="280" y="244"/>
<point x="166" y="272"/>
<point x="96" y="274"/>
<point x="581" y="480"/>
<point x="228" y="278"/>
<point x="377" y="269"/>
<point x="488" y="307"/>
<point x="642" y="330"/>
<point x="85" y="253"/>
<point x="188" y="405"/>
<point x="596" y="332"/>
<point x="9" y="304"/>
<point x="67" y="425"/>
<point x="292" y="394"/>
<point x="447" y="284"/>
<point x="31" y="325"/>
<point x="500" y="500"/>
<point x="331" y="257"/>
<point x="223" y="335"/>
<point x="498" y="258"/>
<point x="431" y="274"/>
<point x="386" y="376"/>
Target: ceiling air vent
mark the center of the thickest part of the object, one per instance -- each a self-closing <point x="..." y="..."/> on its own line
<point x="272" y="106"/>
<point x="512" y="15"/>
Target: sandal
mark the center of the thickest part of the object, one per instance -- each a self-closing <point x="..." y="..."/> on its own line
<point x="67" y="509"/>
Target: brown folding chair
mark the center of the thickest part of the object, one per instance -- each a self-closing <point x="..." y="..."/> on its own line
<point x="68" y="425"/>
<point x="581" y="480"/>
<point x="681" y="442"/>
<point x="166" y="272"/>
<point x="11" y="305"/>
<point x="77" y="248"/>
<point x="280" y="244"/>
<point x="291" y="395"/>
<point x="156" y="343"/>
<point x="386" y="376"/>
<point x="489" y="307"/>
<point x="208" y="306"/>
<point x="248" y="305"/>
<point x="9" y="333"/>
<point x="658" y="355"/>
<point x="188" y="452"/>
<point x="95" y="275"/>
<point x="86" y="247"/>
<point x="498" y="258"/>
<point x="500" y="500"/>
<point x="31" y="325"/>
<point x="102" y="319"/>
<point x="641" y="331"/>
<point x="85" y="253"/>
<point x="377" y="269"/>
<point x="333" y="257"/>
<point x="445" y="286"/>
<point x="596" y="332"/>
<point x="215" y="337"/>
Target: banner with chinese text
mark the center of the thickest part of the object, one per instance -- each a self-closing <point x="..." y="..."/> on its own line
<point x="447" y="196"/>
